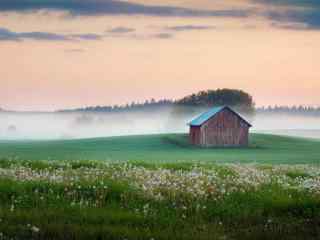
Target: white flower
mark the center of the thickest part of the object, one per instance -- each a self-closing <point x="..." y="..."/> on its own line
<point x="35" y="229"/>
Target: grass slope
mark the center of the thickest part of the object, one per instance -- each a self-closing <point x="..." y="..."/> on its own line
<point x="166" y="148"/>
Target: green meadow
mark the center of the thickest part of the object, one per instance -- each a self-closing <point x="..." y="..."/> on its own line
<point x="167" y="148"/>
<point x="159" y="187"/>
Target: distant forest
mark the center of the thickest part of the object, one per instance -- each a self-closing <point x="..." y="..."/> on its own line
<point x="237" y="99"/>
<point x="204" y="99"/>
<point x="292" y="110"/>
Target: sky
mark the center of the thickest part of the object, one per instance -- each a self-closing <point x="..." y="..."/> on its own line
<point x="70" y="53"/>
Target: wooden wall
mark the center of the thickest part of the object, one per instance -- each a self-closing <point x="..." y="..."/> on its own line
<point x="224" y="129"/>
<point x="195" y="135"/>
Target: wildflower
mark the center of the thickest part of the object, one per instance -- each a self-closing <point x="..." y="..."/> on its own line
<point x="35" y="229"/>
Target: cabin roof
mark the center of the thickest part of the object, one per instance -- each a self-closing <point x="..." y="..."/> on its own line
<point x="202" y="118"/>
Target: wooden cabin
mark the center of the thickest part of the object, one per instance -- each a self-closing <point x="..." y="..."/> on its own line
<point x="220" y="126"/>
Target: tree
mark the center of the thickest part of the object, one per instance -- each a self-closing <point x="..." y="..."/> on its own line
<point x="237" y="99"/>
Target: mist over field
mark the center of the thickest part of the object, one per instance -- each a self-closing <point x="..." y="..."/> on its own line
<point x="20" y="126"/>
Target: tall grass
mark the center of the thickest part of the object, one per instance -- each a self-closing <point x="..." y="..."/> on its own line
<point x="95" y="200"/>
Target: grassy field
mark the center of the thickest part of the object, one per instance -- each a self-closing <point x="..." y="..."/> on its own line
<point x="101" y="200"/>
<point x="159" y="187"/>
<point x="172" y="148"/>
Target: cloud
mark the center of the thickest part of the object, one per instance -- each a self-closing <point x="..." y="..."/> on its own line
<point x="290" y="26"/>
<point x="120" y="30"/>
<point x="180" y="28"/>
<point x="42" y="36"/>
<point x="282" y="11"/>
<point x="87" y="36"/>
<point x="169" y="31"/>
<point x="74" y="50"/>
<point x="294" y="14"/>
<point x="310" y="18"/>
<point x="163" y="35"/>
<point x="8" y="35"/>
<point x="102" y="7"/>
<point x="292" y="3"/>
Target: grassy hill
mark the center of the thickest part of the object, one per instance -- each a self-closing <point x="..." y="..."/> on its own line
<point x="148" y="200"/>
<point x="166" y="148"/>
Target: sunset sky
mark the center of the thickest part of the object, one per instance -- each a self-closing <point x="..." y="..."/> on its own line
<point x="71" y="53"/>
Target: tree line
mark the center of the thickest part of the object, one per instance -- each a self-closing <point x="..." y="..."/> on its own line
<point x="238" y="99"/>
<point x="290" y="110"/>
<point x="210" y="98"/>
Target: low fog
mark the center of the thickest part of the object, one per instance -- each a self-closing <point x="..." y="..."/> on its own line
<point x="22" y="126"/>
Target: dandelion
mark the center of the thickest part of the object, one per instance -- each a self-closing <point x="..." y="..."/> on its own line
<point x="35" y="229"/>
<point x="196" y="184"/>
